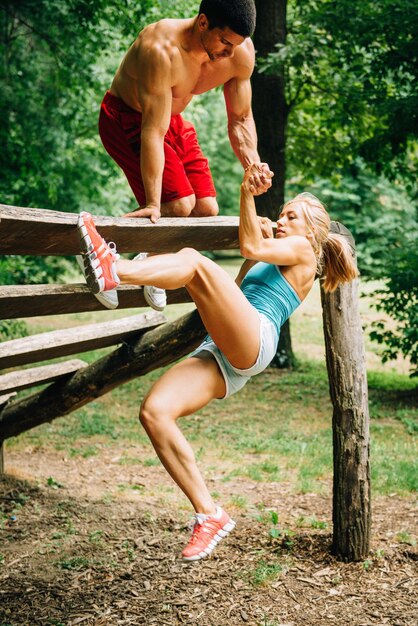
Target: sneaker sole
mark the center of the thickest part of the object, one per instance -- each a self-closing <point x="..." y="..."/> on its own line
<point x="148" y="300"/>
<point x="95" y="284"/>
<point x="221" y="534"/>
<point x="108" y="299"/>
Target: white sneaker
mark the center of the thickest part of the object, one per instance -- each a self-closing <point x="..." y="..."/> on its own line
<point x="154" y="296"/>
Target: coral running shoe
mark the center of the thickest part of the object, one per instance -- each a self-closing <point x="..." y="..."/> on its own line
<point x="98" y="256"/>
<point x="109" y="299"/>
<point x="207" y="533"/>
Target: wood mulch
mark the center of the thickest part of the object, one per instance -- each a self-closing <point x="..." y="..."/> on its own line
<point x="67" y="558"/>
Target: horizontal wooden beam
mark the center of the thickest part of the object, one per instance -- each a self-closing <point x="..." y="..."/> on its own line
<point x="17" y="301"/>
<point x="137" y="357"/>
<point x="57" y="343"/>
<point x="43" y="232"/>
<point x="4" y="399"/>
<point x="34" y="376"/>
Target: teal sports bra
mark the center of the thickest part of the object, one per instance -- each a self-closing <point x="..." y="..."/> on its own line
<point x="270" y="293"/>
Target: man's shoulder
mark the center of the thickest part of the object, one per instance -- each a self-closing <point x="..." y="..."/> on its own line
<point x="165" y="29"/>
<point x="244" y="59"/>
<point x="158" y="40"/>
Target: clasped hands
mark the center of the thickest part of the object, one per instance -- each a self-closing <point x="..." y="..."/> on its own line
<point x="257" y="178"/>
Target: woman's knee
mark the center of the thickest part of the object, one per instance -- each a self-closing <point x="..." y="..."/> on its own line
<point x="151" y="413"/>
<point x="198" y="263"/>
<point x="194" y="257"/>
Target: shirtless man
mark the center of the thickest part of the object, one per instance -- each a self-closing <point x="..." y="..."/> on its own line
<point x="140" y="120"/>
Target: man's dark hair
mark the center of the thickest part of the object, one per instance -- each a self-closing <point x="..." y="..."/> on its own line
<point x="237" y="15"/>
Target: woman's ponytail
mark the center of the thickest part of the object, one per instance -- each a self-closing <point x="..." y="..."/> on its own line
<point x="335" y="259"/>
<point x="338" y="263"/>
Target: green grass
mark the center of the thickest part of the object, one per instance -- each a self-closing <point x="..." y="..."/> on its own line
<point x="278" y="428"/>
<point x="265" y="573"/>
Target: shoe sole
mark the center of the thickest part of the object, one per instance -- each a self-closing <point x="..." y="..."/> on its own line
<point x="148" y="300"/>
<point x="94" y="283"/>
<point x="108" y="299"/>
<point x="221" y="534"/>
<point x="86" y="247"/>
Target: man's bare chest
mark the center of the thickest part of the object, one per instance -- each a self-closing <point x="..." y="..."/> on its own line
<point x="190" y="81"/>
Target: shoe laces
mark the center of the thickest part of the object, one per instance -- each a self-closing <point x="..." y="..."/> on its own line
<point x="197" y="527"/>
<point x="112" y="248"/>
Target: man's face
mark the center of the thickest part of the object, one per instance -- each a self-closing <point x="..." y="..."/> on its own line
<point x="219" y="43"/>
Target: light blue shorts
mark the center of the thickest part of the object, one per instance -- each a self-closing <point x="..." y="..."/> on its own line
<point x="235" y="378"/>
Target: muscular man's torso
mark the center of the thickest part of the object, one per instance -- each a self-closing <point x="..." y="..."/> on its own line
<point x="189" y="76"/>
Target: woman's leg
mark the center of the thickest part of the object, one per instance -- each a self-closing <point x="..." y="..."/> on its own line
<point x="182" y="390"/>
<point x="229" y="318"/>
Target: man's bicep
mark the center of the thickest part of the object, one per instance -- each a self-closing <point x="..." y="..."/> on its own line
<point x="154" y="88"/>
<point x="237" y="93"/>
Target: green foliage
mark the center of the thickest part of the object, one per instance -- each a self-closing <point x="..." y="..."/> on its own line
<point x="350" y="75"/>
<point x="399" y="300"/>
<point x="350" y="79"/>
<point x="376" y="211"/>
<point x="19" y="270"/>
<point x="12" y="329"/>
<point x="56" y="61"/>
<point x="43" y="75"/>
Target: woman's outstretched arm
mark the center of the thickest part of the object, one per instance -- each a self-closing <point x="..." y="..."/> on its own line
<point x="287" y="251"/>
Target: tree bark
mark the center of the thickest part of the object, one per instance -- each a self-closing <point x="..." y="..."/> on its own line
<point x="345" y="358"/>
<point x="154" y="349"/>
<point x="269" y="103"/>
<point x="270" y="115"/>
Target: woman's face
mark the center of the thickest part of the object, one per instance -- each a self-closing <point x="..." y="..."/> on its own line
<point x="292" y="222"/>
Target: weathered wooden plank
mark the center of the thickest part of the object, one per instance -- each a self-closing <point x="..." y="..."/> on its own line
<point x="43" y="232"/>
<point x="23" y="379"/>
<point x="18" y="301"/>
<point x="137" y="357"/>
<point x="346" y="365"/>
<point x="77" y="339"/>
<point x="4" y="399"/>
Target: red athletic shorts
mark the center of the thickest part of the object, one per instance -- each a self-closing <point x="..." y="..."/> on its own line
<point x="186" y="170"/>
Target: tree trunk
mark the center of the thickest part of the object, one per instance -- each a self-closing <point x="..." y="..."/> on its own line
<point x="269" y="103"/>
<point x="270" y="115"/>
<point x="348" y="389"/>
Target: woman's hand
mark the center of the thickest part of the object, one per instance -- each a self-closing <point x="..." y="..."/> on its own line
<point x="266" y="227"/>
<point x="257" y="178"/>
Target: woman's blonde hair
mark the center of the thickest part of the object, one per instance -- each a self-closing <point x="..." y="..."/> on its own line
<point x="335" y="258"/>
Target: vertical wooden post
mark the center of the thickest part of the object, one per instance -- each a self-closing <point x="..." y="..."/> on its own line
<point x="4" y="399"/>
<point x="348" y="389"/>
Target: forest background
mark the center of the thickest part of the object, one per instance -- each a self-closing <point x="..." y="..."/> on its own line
<point x="347" y="74"/>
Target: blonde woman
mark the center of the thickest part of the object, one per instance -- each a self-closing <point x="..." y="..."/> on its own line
<point x="243" y="321"/>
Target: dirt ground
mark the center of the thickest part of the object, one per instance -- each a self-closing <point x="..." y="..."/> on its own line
<point x="95" y="542"/>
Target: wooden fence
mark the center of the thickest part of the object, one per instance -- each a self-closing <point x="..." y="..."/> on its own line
<point x="147" y="341"/>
